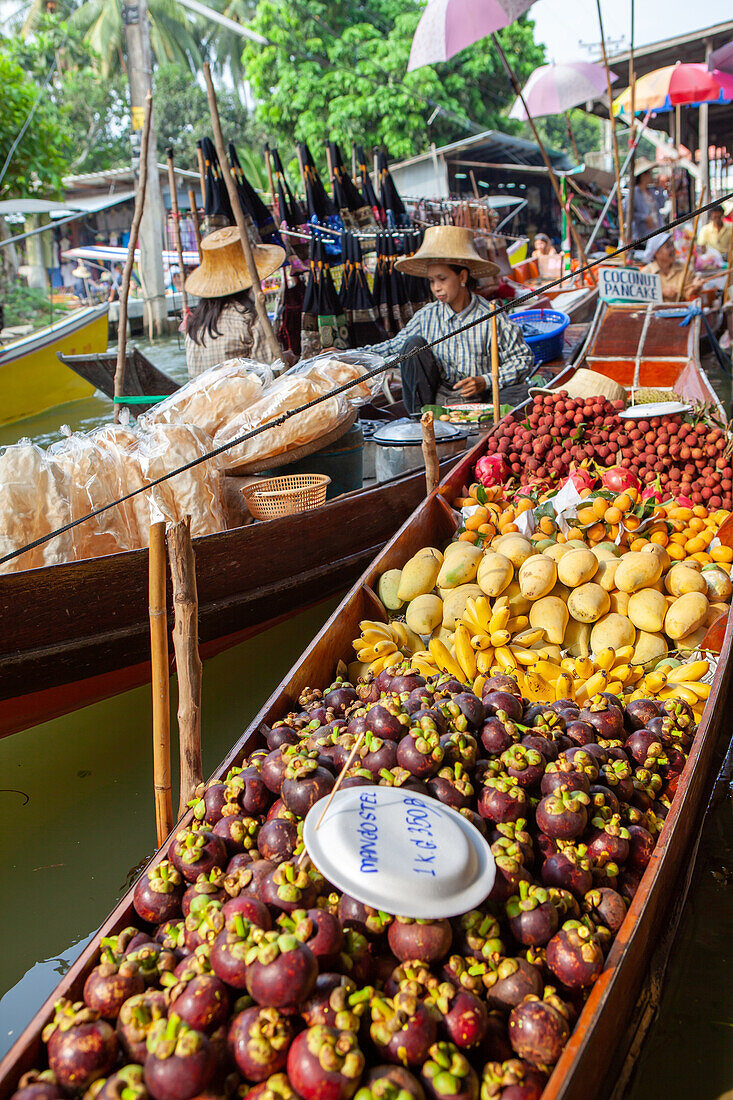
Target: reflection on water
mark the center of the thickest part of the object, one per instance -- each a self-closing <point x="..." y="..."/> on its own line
<point x="77" y="814"/>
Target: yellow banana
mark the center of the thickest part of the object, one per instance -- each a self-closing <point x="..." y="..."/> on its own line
<point x="568" y="665"/>
<point x="505" y="657"/>
<point x="538" y="690"/>
<point x="444" y="659"/>
<point x="529" y="637"/>
<point x="478" y="685"/>
<point x="483" y="612"/>
<point x="372" y="625"/>
<point x="422" y="666"/>
<point x="518" y="674"/>
<point x="464" y="651"/>
<point x="679" y="691"/>
<point x="547" y="670"/>
<point x="584" y="668"/>
<point x="387" y="661"/>
<point x="471" y="617"/>
<point x="623" y="655"/>
<point x="500" y="638"/>
<point x="655" y="681"/>
<point x="614" y="687"/>
<point x="524" y="656"/>
<point x="622" y="673"/>
<point x="693" y="670"/>
<point x="702" y="691"/>
<point x="484" y="661"/>
<point x="605" y="659"/>
<point x="564" y="686"/>
<point x="500" y="616"/>
<point x="481" y="641"/>
<point x="591" y="687"/>
<point x="518" y="623"/>
<point x="399" y="633"/>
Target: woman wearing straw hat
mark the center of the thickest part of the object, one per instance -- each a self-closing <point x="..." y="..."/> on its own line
<point x="459" y="369"/>
<point x="224" y="324"/>
<point x="661" y="260"/>
<point x="646" y="204"/>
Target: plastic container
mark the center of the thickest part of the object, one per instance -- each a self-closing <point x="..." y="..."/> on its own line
<point x="548" y="342"/>
<point x="285" y="496"/>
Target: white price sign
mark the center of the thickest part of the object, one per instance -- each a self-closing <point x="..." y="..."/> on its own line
<point x="628" y="284"/>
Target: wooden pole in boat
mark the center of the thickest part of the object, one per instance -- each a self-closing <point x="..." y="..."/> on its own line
<point x="130" y="258"/>
<point x="188" y="662"/>
<point x="195" y="216"/>
<point x="159" y="664"/>
<point x="616" y="163"/>
<point x="177" y="230"/>
<point x="429" y="452"/>
<point x="693" y="242"/>
<point x="495" y="369"/>
<point x="543" y="151"/>
<point x="259" y="297"/>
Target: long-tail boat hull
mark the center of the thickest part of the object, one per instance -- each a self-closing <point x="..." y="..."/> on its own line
<point x="583" y="1069"/>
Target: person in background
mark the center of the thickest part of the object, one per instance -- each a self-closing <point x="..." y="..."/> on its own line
<point x="543" y="246"/>
<point x="717" y="232"/>
<point x="458" y="370"/>
<point x="224" y="324"/>
<point x="661" y="260"/>
<point x="646" y="201"/>
<point x="115" y="282"/>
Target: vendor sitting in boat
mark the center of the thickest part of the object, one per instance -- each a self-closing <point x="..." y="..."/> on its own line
<point x="543" y="246"/>
<point x="224" y="324"/>
<point x="661" y="260"/>
<point x="458" y="370"/>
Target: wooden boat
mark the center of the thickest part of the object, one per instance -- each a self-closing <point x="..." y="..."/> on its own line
<point x="599" y="1035"/>
<point x="578" y="302"/>
<point x="142" y="378"/>
<point x="31" y="377"/>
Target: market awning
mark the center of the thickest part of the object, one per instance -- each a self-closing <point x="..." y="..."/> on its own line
<point x="94" y="203"/>
<point x="39" y="206"/>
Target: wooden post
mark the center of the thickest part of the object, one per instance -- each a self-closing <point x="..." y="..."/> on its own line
<point x="188" y="663"/>
<point x="259" y="297"/>
<point x="632" y="162"/>
<point x="693" y="242"/>
<point x="202" y="173"/>
<point x="474" y="185"/>
<point x="159" y="665"/>
<point x="329" y="164"/>
<point x="130" y="259"/>
<point x="177" y="230"/>
<point x="195" y="216"/>
<point x="543" y="151"/>
<point x="430" y="452"/>
<point x="571" y="135"/>
<point x="270" y="180"/>
<point x="495" y="369"/>
<point x="616" y="163"/>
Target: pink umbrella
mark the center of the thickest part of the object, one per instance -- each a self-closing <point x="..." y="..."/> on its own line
<point x="449" y="26"/>
<point x="553" y="89"/>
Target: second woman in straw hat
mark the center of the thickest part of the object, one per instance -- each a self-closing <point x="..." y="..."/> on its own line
<point x="224" y="324"/>
<point x="459" y="369"/>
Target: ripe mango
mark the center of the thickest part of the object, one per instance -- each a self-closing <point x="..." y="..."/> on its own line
<point x="388" y="589"/>
<point x="685" y="615"/>
<point x="650" y="647"/>
<point x="606" y="573"/>
<point x="495" y="573"/>
<point x="637" y="570"/>
<point x="518" y="604"/>
<point x="515" y="547"/>
<point x="424" y="613"/>
<point x="419" y="574"/>
<point x="588" y="602"/>
<point x="577" y="638"/>
<point x="612" y="631"/>
<point x="619" y="602"/>
<point x="576" y="568"/>
<point x="647" y="610"/>
<point x="551" y="614"/>
<point x="454" y="603"/>
<point x="537" y="576"/>
<point x="557" y="550"/>
<point x="681" y="579"/>
<point x="660" y="553"/>
<point x="460" y="566"/>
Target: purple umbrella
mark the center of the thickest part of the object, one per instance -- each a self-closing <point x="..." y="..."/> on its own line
<point x="554" y="89"/>
<point x="448" y="26"/>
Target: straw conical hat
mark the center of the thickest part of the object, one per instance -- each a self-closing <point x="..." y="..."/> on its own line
<point x="223" y="269"/>
<point x="447" y="244"/>
<point x="643" y="166"/>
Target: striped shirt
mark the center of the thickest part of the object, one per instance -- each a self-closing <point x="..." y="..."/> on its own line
<point x="240" y="336"/>
<point x="469" y="354"/>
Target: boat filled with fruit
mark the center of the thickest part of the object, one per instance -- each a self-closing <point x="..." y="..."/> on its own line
<point x="544" y="648"/>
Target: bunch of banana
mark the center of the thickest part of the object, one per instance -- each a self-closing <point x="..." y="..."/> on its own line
<point x="684" y="682"/>
<point x="383" y="645"/>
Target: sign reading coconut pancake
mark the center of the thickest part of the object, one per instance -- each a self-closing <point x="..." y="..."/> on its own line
<point x="628" y="284"/>
<point x="400" y="851"/>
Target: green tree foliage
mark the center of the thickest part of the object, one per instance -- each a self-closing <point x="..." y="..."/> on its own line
<point x="339" y="70"/>
<point x="554" y="131"/>
<point x="44" y="152"/>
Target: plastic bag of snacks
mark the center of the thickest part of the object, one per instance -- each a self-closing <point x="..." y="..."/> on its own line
<point x="195" y="492"/>
<point x="118" y="444"/>
<point x="287" y="393"/>
<point x="33" y="503"/>
<point x="209" y="400"/>
<point x="344" y="366"/>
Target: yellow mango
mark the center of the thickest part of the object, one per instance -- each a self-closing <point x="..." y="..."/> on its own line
<point x="637" y="570"/>
<point x="650" y="647"/>
<point x="681" y="579"/>
<point x="588" y="602"/>
<point x="495" y="573"/>
<point x="561" y="591"/>
<point x="658" y="552"/>
<point x="612" y="631"/>
<point x="537" y="576"/>
<point x="419" y="575"/>
<point x="619" y="602"/>
<point x="424" y="613"/>
<point x="454" y="603"/>
<point x="518" y="604"/>
<point x="460" y="567"/>
<point x="557" y="550"/>
<point x="388" y="589"/>
<point x="576" y="568"/>
<point x="606" y="573"/>
<point x="692" y="641"/>
<point x="718" y="583"/>
<point x="686" y="614"/>
<point x="604" y="552"/>
<point x="647" y="610"/>
<point x="515" y="547"/>
<point x="577" y="638"/>
<point x="551" y="614"/>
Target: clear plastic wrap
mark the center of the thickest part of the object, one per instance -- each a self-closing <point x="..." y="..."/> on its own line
<point x="286" y="393"/>
<point x="196" y="492"/>
<point x="118" y="445"/>
<point x="32" y="503"/>
<point x="209" y="400"/>
<point x="337" y="368"/>
<point x="91" y="480"/>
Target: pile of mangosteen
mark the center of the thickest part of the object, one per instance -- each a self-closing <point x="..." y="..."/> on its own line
<point x="250" y="977"/>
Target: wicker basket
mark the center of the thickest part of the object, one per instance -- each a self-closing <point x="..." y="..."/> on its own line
<point x="284" y="496"/>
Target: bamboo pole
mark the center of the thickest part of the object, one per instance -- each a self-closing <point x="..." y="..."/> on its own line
<point x="543" y="151"/>
<point x="329" y="165"/>
<point x="571" y="135"/>
<point x="474" y="185"/>
<point x="495" y="368"/>
<point x="430" y="452"/>
<point x="177" y="229"/>
<point x="202" y="172"/>
<point x="693" y="242"/>
<point x="616" y="161"/>
<point x="259" y="297"/>
<point x="270" y="180"/>
<point x="159" y="668"/>
<point x="195" y="216"/>
<point x="632" y="178"/>
<point x="130" y="258"/>
<point x="188" y="663"/>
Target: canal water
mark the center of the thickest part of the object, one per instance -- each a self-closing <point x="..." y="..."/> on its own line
<point x="76" y="820"/>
